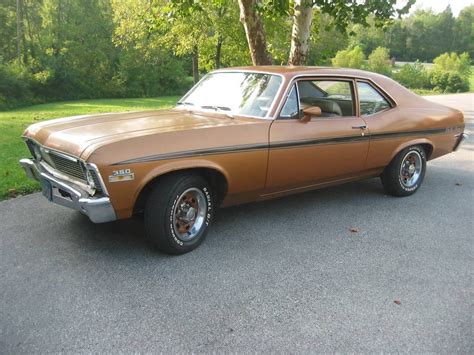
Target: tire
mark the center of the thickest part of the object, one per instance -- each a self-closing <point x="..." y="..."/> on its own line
<point x="178" y="213"/>
<point x="405" y="173"/>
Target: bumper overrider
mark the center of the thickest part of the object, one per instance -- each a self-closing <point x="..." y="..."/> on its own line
<point x="68" y="194"/>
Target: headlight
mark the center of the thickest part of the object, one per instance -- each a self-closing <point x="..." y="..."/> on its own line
<point x="37" y="151"/>
<point x="90" y="179"/>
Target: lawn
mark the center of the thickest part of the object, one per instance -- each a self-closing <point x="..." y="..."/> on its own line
<point x="12" y="124"/>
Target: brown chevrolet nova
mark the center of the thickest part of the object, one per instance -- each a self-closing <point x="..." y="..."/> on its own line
<point x="240" y="135"/>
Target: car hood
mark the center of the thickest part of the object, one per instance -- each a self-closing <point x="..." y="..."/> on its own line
<point x="75" y="134"/>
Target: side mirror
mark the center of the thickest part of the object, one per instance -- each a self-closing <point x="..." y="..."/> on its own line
<point x="307" y="113"/>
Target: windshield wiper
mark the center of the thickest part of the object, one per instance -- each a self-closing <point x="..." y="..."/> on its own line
<point x="184" y="103"/>
<point x="215" y="108"/>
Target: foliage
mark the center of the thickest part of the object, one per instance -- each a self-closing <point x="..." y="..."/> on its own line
<point x="73" y="49"/>
<point x="15" y="86"/>
<point x="349" y="58"/>
<point x="422" y="36"/>
<point x="413" y="76"/>
<point x="453" y="62"/>
<point x="13" y="180"/>
<point x="451" y="72"/>
<point x="379" y="61"/>
<point x="448" y="81"/>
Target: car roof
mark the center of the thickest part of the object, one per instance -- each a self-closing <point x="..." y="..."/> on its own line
<point x="291" y="71"/>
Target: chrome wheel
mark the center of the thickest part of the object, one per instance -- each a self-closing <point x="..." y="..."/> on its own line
<point x="411" y="168"/>
<point x="189" y="214"/>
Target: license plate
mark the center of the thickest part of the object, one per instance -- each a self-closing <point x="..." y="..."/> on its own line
<point x="47" y="189"/>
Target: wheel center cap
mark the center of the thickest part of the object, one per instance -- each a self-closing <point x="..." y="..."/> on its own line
<point x="411" y="168"/>
<point x="191" y="214"/>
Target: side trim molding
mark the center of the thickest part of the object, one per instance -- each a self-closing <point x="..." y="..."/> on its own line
<point x="282" y="145"/>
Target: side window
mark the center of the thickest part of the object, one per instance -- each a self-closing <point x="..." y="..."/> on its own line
<point x="370" y="100"/>
<point x="291" y="108"/>
<point x="333" y="97"/>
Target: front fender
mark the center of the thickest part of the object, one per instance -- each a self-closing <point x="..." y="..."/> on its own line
<point x="187" y="164"/>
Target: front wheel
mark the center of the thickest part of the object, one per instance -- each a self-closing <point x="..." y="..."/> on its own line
<point x="405" y="173"/>
<point x="178" y="212"/>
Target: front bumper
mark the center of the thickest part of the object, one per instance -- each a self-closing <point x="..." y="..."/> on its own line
<point x="64" y="193"/>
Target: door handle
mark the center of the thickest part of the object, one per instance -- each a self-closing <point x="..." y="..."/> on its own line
<point x="362" y="126"/>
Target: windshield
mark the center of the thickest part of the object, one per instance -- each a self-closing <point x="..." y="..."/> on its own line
<point x="238" y="93"/>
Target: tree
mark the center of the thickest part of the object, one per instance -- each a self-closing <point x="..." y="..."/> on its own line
<point x="253" y="25"/>
<point x="342" y="13"/>
<point x="464" y="31"/>
<point x="300" y="33"/>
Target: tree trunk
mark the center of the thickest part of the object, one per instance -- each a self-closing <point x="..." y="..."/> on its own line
<point x="218" y="51"/>
<point x="196" y="64"/>
<point x="300" y="34"/>
<point x="254" y="31"/>
<point x="18" y="30"/>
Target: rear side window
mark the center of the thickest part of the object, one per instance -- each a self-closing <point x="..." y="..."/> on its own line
<point x="370" y="100"/>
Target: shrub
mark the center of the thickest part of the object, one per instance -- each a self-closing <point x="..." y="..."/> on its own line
<point x="379" y="61"/>
<point x="414" y="76"/>
<point x="453" y="62"/>
<point x="448" y="81"/>
<point x="15" y="86"/>
<point x="353" y="58"/>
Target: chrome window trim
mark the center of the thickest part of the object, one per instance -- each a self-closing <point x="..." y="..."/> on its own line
<point x="379" y="90"/>
<point x="272" y="106"/>
<point x="350" y="80"/>
<point x="353" y="78"/>
<point x="286" y="99"/>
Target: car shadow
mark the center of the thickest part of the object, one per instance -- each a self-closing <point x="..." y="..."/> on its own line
<point x="128" y="236"/>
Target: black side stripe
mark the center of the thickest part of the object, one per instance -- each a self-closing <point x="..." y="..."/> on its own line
<point x="281" y="145"/>
<point x="198" y="152"/>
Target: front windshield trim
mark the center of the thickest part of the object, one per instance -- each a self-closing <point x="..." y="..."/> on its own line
<point x="272" y="106"/>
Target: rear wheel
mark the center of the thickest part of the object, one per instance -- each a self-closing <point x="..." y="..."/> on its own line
<point x="405" y="173"/>
<point x="178" y="212"/>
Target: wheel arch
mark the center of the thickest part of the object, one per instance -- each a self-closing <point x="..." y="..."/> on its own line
<point x="214" y="174"/>
<point x="427" y="145"/>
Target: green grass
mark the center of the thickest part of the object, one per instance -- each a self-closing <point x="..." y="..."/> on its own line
<point x="13" y="180"/>
<point x="471" y="80"/>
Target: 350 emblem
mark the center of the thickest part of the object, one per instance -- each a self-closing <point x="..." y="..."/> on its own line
<point x="121" y="175"/>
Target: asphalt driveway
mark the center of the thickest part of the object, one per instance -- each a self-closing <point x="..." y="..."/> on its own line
<point x="284" y="275"/>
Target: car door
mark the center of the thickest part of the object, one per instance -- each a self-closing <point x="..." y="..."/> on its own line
<point x="330" y="146"/>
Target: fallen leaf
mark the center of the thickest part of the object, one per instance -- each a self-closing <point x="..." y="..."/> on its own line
<point x="12" y="193"/>
<point x="397" y="302"/>
<point x="354" y="230"/>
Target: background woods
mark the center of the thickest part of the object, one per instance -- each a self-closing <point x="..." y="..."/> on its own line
<point x="72" y="49"/>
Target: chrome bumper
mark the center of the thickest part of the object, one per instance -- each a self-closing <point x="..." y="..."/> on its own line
<point x="460" y="138"/>
<point x="99" y="210"/>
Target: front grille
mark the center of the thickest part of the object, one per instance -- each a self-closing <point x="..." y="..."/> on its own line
<point x="66" y="166"/>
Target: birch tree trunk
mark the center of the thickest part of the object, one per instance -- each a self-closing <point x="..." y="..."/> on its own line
<point x="301" y="31"/>
<point x="254" y="31"/>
